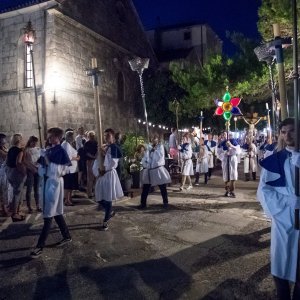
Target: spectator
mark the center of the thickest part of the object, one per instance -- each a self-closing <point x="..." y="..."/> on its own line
<point x="80" y="138"/>
<point x="31" y="156"/>
<point x="4" y="185"/>
<point x="16" y="174"/>
<point x="71" y="178"/>
<point x="173" y="146"/>
<point x="90" y="149"/>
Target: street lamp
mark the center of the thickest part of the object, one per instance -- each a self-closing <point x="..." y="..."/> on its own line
<point x="94" y="72"/>
<point x="235" y="119"/>
<point x="201" y="123"/>
<point x="139" y="65"/>
<point x="29" y="39"/>
<point x="267" y="55"/>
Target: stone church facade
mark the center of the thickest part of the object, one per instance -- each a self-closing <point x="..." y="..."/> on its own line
<point x="69" y="33"/>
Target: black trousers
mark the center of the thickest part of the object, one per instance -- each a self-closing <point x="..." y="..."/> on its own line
<point x="146" y="189"/>
<point x="47" y="226"/>
<point x="107" y="205"/>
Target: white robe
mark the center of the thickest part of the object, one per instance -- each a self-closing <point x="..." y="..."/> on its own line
<point x="231" y="157"/>
<point x="108" y="186"/>
<point x="186" y="161"/>
<point x="210" y="154"/>
<point x="71" y="153"/>
<point x="250" y="166"/>
<point x="202" y="160"/>
<point x="277" y="205"/>
<point x="53" y="204"/>
<point x="154" y="171"/>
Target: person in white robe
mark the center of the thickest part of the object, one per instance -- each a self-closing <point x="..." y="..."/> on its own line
<point x="202" y="162"/>
<point x="154" y="172"/>
<point x="249" y="153"/>
<point x="276" y="193"/>
<point x="57" y="165"/>
<point x="187" y="170"/>
<point x="211" y="147"/>
<point x="108" y="186"/>
<point x="227" y="153"/>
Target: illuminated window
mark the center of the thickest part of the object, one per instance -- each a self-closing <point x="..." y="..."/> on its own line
<point x="28" y="67"/>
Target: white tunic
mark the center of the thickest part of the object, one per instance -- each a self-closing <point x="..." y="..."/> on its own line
<point x="154" y="171"/>
<point x="277" y="204"/>
<point x="71" y="153"/>
<point x="108" y="186"/>
<point x="186" y="161"/>
<point x="53" y="204"/>
<point x="202" y="160"/>
<point x="250" y="161"/>
<point x="231" y="157"/>
<point x="210" y="154"/>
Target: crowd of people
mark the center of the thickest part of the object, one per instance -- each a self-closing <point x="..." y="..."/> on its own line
<point x="69" y="162"/>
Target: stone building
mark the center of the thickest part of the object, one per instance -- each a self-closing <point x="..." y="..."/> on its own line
<point x="185" y="43"/>
<point x="69" y="33"/>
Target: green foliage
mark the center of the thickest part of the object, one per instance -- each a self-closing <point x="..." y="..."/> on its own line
<point x="160" y="91"/>
<point x="244" y="74"/>
<point x="275" y="11"/>
<point x="129" y="146"/>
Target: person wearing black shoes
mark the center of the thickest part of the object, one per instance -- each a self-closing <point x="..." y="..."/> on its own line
<point x="154" y="172"/>
<point x="108" y="186"/>
<point x="57" y="164"/>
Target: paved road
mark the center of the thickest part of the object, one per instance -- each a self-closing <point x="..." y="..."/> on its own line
<point x="205" y="246"/>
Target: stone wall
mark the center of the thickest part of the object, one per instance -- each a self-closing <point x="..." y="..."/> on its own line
<point x="63" y="50"/>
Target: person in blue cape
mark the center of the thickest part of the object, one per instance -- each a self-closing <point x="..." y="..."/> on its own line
<point x="276" y="193"/>
<point x="211" y="147"/>
<point x="228" y="150"/>
<point x="108" y="186"/>
<point x="56" y="165"/>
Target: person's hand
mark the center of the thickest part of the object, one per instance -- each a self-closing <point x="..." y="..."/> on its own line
<point x="228" y="144"/>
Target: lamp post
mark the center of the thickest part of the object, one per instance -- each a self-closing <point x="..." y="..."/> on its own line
<point x="201" y="123"/>
<point x="269" y="131"/>
<point x="29" y="38"/>
<point x="94" y="72"/>
<point x="278" y="44"/>
<point x="235" y="119"/>
<point x="139" y="65"/>
<point x="263" y="53"/>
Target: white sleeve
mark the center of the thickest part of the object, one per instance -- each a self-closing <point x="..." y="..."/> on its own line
<point x="95" y="168"/>
<point x="271" y="201"/>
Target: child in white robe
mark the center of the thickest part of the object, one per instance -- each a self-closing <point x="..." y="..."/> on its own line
<point x="108" y="186"/>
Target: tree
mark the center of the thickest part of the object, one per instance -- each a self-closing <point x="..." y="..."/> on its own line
<point x="275" y="11"/>
<point x="161" y="91"/>
<point x="244" y="74"/>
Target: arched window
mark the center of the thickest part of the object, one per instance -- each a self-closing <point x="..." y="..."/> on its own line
<point x="121" y="93"/>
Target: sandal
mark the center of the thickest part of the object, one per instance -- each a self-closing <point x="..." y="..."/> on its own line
<point x="17" y="218"/>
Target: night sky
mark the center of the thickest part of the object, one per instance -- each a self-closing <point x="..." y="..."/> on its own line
<point x="221" y="15"/>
